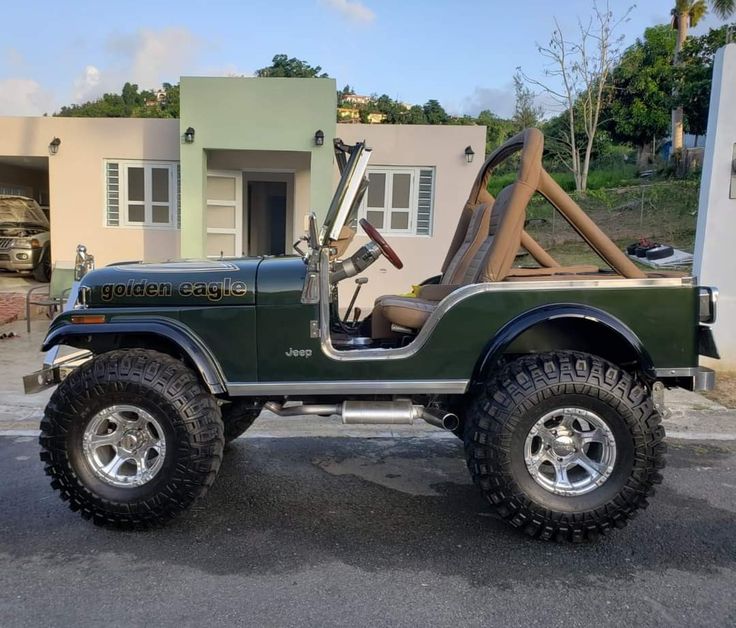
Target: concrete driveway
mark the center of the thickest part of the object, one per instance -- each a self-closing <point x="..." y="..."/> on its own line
<point x="312" y="525"/>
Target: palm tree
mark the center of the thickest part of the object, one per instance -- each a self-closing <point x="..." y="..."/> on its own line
<point x="688" y="13"/>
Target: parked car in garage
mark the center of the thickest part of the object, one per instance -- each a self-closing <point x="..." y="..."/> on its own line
<point x="25" y="244"/>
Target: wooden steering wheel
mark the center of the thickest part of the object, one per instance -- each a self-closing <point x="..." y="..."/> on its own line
<point x="386" y="249"/>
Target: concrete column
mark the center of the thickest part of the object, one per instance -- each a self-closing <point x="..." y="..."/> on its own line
<point x="715" y="244"/>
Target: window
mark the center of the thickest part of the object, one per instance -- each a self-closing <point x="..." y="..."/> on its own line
<point x="142" y="193"/>
<point x="400" y="200"/>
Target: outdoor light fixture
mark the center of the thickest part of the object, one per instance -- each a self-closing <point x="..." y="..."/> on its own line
<point x="469" y="154"/>
<point x="319" y="138"/>
<point x="189" y="135"/>
<point x="54" y="146"/>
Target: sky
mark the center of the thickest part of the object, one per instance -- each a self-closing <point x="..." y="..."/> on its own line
<point x="461" y="52"/>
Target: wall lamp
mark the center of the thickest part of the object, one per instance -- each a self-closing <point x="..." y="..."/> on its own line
<point x="54" y="146"/>
<point x="189" y="135"/>
<point x="469" y="154"/>
<point x="319" y="138"/>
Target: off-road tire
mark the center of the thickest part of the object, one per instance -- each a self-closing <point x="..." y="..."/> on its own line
<point x="508" y="405"/>
<point x="237" y="417"/>
<point x="167" y="389"/>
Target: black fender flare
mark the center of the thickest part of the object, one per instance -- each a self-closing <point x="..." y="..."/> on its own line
<point x="184" y="338"/>
<point x="517" y="326"/>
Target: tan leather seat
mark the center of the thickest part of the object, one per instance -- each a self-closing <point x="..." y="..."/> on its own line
<point x="412" y="312"/>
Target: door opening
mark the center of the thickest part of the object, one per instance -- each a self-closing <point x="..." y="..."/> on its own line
<point x="267" y="217"/>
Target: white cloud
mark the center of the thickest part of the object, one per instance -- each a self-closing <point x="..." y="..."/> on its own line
<point x="502" y="102"/>
<point x="353" y="10"/>
<point x="87" y="85"/>
<point x="24" y="97"/>
<point x="146" y="57"/>
<point x="499" y="100"/>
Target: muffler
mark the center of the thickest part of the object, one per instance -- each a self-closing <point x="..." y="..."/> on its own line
<point x="399" y="412"/>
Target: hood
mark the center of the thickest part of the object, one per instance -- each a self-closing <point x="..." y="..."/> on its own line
<point x="179" y="283"/>
<point x="22" y="210"/>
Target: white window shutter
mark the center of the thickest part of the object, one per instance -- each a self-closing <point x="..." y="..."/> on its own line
<point x="112" y="193"/>
<point x="425" y="202"/>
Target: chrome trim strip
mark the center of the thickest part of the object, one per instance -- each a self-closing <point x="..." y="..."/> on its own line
<point x="404" y="387"/>
<point x="685" y="371"/>
<point x="456" y="297"/>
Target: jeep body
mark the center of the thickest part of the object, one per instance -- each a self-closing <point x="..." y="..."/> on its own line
<point x="560" y="369"/>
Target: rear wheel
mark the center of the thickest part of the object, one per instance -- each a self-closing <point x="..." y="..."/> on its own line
<point x="564" y="445"/>
<point x="131" y="438"/>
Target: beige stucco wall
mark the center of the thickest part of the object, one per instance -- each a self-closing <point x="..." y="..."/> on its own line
<point x="77" y="184"/>
<point x="417" y="145"/>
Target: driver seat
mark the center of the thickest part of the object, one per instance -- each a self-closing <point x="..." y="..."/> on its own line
<point x="461" y="258"/>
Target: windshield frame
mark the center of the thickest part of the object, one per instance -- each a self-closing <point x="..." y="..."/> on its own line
<point x="349" y="191"/>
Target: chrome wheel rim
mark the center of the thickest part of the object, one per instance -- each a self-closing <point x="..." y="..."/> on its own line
<point x="124" y="445"/>
<point x="570" y="451"/>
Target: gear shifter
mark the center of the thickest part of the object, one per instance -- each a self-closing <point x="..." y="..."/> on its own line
<point x="360" y="282"/>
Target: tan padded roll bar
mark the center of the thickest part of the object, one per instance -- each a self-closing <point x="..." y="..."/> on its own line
<point x="588" y="230"/>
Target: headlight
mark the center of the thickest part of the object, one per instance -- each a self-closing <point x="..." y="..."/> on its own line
<point x="708" y="305"/>
<point x="23" y="243"/>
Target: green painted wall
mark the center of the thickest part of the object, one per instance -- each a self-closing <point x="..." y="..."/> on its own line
<point x="270" y="114"/>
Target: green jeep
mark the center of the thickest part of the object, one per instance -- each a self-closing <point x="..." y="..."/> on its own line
<point x="552" y="376"/>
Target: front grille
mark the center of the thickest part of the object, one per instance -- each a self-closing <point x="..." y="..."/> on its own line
<point x="6" y="243"/>
<point x="4" y="257"/>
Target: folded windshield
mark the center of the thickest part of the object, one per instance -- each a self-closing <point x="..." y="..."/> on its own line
<point x="352" y="162"/>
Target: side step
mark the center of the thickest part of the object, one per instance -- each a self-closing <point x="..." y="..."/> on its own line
<point x="400" y="412"/>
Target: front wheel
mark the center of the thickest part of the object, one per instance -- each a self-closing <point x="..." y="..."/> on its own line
<point x="131" y="438"/>
<point x="564" y="445"/>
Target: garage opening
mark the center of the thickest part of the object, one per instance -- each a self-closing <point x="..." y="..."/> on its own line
<point x="25" y="207"/>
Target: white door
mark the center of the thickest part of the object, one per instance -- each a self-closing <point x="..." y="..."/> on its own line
<point x="224" y="213"/>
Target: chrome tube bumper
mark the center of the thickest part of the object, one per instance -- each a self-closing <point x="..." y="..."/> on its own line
<point x="703" y="377"/>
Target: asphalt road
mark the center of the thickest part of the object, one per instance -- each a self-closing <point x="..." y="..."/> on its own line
<point x="379" y="532"/>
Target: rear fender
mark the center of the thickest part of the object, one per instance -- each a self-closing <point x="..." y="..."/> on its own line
<point x="600" y="324"/>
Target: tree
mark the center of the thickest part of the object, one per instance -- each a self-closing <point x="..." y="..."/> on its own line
<point x="526" y="112"/>
<point x="694" y="76"/>
<point x="435" y="113"/>
<point x="582" y="69"/>
<point x="498" y="130"/>
<point x="283" y="66"/>
<point x="415" y="115"/>
<point x="642" y="82"/>
<point x="687" y="13"/>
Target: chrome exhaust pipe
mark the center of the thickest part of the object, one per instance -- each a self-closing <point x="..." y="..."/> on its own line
<point x="448" y="421"/>
<point x="319" y="409"/>
<point x="400" y="412"/>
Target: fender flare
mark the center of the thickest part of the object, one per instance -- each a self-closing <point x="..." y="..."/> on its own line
<point x="517" y="326"/>
<point x="184" y="338"/>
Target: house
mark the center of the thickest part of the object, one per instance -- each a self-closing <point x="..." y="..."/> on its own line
<point x="237" y="174"/>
